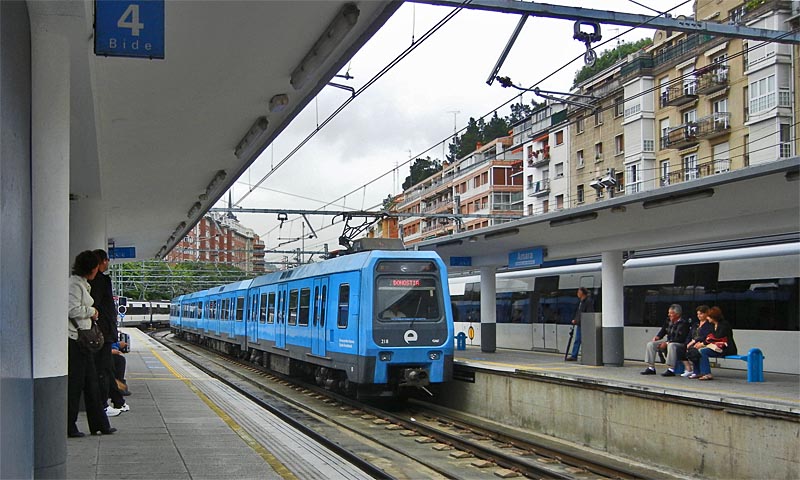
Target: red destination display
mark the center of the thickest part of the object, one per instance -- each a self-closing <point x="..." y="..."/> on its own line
<point x="406" y="282"/>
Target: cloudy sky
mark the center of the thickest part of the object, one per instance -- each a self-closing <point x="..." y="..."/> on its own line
<point x="409" y="111"/>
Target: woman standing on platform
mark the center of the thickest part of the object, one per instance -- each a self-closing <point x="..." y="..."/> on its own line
<point x="82" y="376"/>
<point x="717" y="344"/>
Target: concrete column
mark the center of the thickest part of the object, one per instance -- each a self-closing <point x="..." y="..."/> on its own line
<point x="488" y="309"/>
<point x="50" y="140"/>
<point x="87" y="226"/>
<point x="16" y="369"/>
<point x="613" y="308"/>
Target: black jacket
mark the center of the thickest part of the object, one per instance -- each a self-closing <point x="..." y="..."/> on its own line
<point x="586" y="305"/>
<point x="724" y="330"/>
<point x="103" y="296"/>
<point x="675" y="332"/>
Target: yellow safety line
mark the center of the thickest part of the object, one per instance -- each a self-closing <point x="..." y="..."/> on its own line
<point x="273" y="462"/>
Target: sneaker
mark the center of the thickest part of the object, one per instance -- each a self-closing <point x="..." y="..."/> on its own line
<point x="649" y="371"/>
<point x="125" y="408"/>
<point x="112" y="412"/>
<point x="668" y="373"/>
<point x="687" y="373"/>
<point x="694" y="376"/>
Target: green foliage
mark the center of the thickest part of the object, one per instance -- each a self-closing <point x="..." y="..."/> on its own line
<point x="421" y="169"/>
<point x="158" y="280"/>
<point x="608" y="58"/>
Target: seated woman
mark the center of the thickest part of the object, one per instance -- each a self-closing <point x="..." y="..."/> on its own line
<point x="698" y="335"/>
<point x="720" y="343"/>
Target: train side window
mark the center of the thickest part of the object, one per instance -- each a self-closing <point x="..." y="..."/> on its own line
<point x="263" y="310"/>
<point x="252" y="314"/>
<point x="293" y="307"/>
<point x="344" y="305"/>
<point x="704" y="275"/>
<point x="316" y="305"/>
<point x="305" y="302"/>
<point x="323" y="304"/>
<point x="271" y="308"/>
<point x="239" y="309"/>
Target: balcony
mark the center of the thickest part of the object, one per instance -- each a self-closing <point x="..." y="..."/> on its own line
<point x="679" y="95"/>
<point x="714" y="125"/>
<point x="681" y="137"/>
<point x="700" y="171"/>
<point x="538" y="159"/>
<point x="540" y="188"/>
<point x="712" y="79"/>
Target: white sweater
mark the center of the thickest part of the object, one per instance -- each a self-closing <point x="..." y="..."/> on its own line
<point x="80" y="305"/>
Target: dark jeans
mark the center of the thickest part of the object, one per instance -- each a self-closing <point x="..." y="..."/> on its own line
<point x="120" y="364"/>
<point x="82" y="378"/>
<point x="105" y="374"/>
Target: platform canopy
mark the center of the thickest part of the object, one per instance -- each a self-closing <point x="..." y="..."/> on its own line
<point x="158" y="141"/>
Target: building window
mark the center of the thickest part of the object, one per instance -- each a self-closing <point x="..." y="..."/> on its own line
<point x="663" y="126"/>
<point x="690" y="167"/>
<point x="559" y="170"/>
<point x="559" y="137"/>
<point x="580" y="194"/>
<point x="689" y="81"/>
<point x="721" y="105"/>
<point x="530" y="209"/>
<point x="598" y="117"/>
<point x="664" y="91"/>
<point x="633" y="184"/>
<point x="762" y="94"/>
<point x="664" y="173"/>
<point x="648" y="145"/>
<point x="598" y="152"/>
<point x="545" y="206"/>
<point x="559" y="202"/>
<point x="580" y="158"/>
<point x="579" y="124"/>
<point x="689" y="116"/>
<point x="722" y="162"/>
<point x="619" y="144"/>
<point x="746" y="103"/>
<point x="746" y="148"/>
<point x="785" y="140"/>
<point x="619" y="106"/>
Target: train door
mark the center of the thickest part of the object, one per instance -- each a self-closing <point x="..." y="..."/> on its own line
<point x="252" y="317"/>
<point x="318" y="337"/>
<point x="282" y="314"/>
<point x="545" y="323"/>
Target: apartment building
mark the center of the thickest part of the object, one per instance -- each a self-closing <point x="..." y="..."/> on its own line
<point x="221" y="239"/>
<point x="597" y="138"/>
<point x="486" y="181"/>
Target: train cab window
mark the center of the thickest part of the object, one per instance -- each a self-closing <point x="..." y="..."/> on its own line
<point x="305" y="305"/>
<point x="262" y="318"/>
<point x="344" y="305"/>
<point x="271" y="308"/>
<point x="293" y="307"/>
<point x="323" y="304"/>
<point x="407" y="297"/>
<point x="239" y="309"/>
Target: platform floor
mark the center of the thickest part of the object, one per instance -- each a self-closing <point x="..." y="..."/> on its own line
<point x="779" y="391"/>
<point x="185" y="425"/>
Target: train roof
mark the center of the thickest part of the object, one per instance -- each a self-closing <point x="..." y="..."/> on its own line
<point x="347" y="263"/>
<point x="231" y="287"/>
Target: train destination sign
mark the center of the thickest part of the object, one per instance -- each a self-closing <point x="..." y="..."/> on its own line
<point x="529" y="257"/>
<point x="129" y="28"/>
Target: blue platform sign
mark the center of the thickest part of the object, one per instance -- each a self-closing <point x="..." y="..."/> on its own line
<point x="129" y="28"/>
<point x="122" y="252"/>
<point x="529" y="257"/>
<point x="460" y="261"/>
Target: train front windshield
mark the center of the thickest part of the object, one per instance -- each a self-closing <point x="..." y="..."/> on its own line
<point x="407" y="298"/>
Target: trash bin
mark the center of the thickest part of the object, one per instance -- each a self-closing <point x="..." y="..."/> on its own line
<point x="461" y="341"/>
<point x="592" y="339"/>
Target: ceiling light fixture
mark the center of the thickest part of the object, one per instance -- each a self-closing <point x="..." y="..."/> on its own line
<point x="193" y="211"/>
<point x="679" y="198"/>
<point x="278" y="103"/>
<point x="573" y="219"/>
<point x="251" y="137"/>
<point x="334" y="34"/>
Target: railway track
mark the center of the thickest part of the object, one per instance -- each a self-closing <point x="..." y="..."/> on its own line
<point x="413" y="440"/>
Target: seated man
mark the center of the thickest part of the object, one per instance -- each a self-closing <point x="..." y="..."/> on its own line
<point x="672" y="335"/>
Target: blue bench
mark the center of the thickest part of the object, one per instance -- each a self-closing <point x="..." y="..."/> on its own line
<point x="755" y="364"/>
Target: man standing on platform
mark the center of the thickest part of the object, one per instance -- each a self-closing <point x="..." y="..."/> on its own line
<point x="103" y="296"/>
<point x="585" y="305"/>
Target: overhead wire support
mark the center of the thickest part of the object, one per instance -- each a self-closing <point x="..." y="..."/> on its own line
<point x="365" y="213"/>
<point x="620" y="18"/>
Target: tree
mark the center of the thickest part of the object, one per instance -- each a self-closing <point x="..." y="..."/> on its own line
<point x="421" y="169"/>
<point x="521" y="111"/>
<point x="608" y="58"/>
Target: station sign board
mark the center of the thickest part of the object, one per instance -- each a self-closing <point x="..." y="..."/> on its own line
<point x="460" y="261"/>
<point x="121" y="252"/>
<point x="129" y="28"/>
<point x="529" y="257"/>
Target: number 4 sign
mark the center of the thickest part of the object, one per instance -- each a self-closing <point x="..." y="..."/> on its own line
<point x="129" y="28"/>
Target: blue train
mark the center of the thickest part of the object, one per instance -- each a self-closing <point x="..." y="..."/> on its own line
<point x="371" y="323"/>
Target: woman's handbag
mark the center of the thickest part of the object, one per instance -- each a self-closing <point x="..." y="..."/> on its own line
<point x="90" y="339"/>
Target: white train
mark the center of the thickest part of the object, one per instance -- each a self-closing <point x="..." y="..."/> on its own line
<point x="144" y="314"/>
<point x="757" y="288"/>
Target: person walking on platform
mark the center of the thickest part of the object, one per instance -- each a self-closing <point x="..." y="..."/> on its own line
<point x="585" y="305"/>
<point x="103" y="295"/>
<point x="81" y="373"/>
<point x="673" y="333"/>
<point x="720" y="343"/>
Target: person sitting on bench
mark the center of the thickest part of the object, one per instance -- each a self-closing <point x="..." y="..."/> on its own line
<point x="718" y="344"/>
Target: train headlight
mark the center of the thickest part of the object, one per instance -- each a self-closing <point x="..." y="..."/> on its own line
<point x="434" y="355"/>
<point x="385" y="356"/>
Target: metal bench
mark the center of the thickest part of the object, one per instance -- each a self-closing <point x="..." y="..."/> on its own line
<point x="755" y="364"/>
